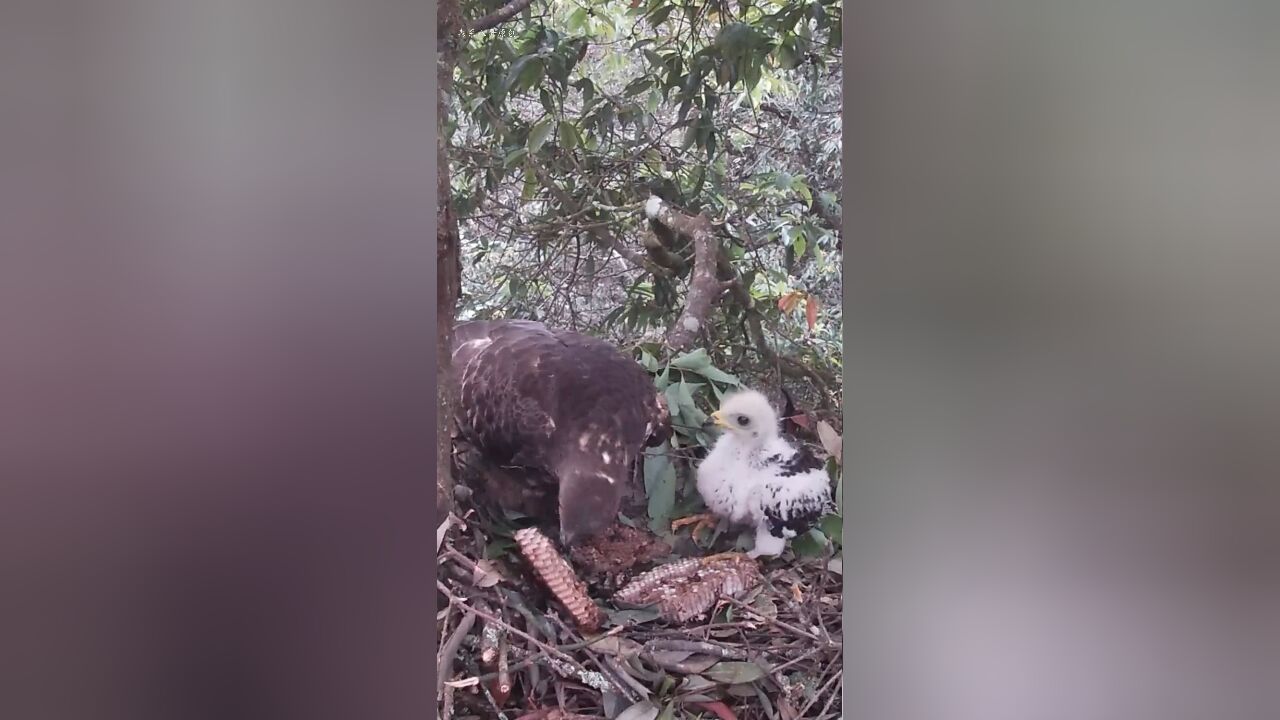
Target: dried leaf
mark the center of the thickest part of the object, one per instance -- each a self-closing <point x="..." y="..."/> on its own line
<point x="700" y="663"/>
<point x="643" y="710"/>
<point x="617" y="646"/>
<point x="695" y="688"/>
<point x="765" y="606"/>
<point x="719" y="709"/>
<point x="486" y="575"/>
<point x="831" y="441"/>
<point x="797" y="592"/>
<point x="836" y="565"/>
<point x="735" y="673"/>
<point x="443" y="530"/>
<point x="741" y="691"/>
<point x="670" y="657"/>
<point x="464" y="683"/>
<point x="811" y="311"/>
<point x="683" y="662"/>
<point x="788" y="301"/>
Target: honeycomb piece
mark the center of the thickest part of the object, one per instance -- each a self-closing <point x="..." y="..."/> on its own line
<point x="554" y="572"/>
<point x="685" y="589"/>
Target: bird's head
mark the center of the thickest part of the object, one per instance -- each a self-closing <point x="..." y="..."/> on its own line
<point x="589" y="499"/>
<point x="747" y="415"/>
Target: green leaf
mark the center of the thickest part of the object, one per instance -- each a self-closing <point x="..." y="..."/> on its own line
<point x="663" y="379"/>
<point x="514" y="157"/>
<point x="568" y="135"/>
<point x="530" y="189"/>
<point x="498" y="547"/>
<point x="525" y="73"/>
<point x="656" y="464"/>
<point x="713" y="373"/>
<point x="637" y="86"/>
<point x="648" y="362"/>
<point x="799" y="246"/>
<point x="588" y="91"/>
<point x="696" y="360"/>
<point x="832" y="526"/>
<point x="734" y="673"/>
<point x="513" y="73"/>
<point x="673" y="400"/>
<point x="686" y="390"/>
<point x="539" y="133"/>
<point x="662" y="497"/>
<point x="689" y="411"/>
<point x="652" y="101"/>
<point x="811" y="544"/>
<point x="802" y="189"/>
<point x="657" y="17"/>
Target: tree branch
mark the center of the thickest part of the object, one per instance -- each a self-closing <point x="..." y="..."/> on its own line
<point x="501" y="15"/>
<point x="601" y="235"/>
<point x="704" y="287"/>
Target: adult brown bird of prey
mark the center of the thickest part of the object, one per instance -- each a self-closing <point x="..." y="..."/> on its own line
<point x="566" y="408"/>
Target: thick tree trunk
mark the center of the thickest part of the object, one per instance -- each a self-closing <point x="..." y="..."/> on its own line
<point x="448" y="261"/>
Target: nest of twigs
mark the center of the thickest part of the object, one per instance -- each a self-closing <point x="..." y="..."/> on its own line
<point x="766" y="646"/>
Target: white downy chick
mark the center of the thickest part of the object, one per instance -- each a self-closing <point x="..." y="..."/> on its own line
<point x="753" y="475"/>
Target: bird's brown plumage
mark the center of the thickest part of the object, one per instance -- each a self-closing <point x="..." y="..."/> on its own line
<point x="559" y="403"/>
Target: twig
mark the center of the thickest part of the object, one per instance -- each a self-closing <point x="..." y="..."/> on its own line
<point x="796" y="660"/>
<point x="469" y="564"/>
<point x="446" y="705"/>
<point x="823" y="688"/>
<point x="444" y="665"/>
<point x="535" y="657"/>
<point x="834" y="695"/>
<point x="551" y="650"/>
<point x="774" y="621"/>
<point x="693" y="646"/>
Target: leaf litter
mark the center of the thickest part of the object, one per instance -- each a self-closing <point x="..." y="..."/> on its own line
<point x="761" y="649"/>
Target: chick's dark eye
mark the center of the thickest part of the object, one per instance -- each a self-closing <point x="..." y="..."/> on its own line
<point x="743" y="420"/>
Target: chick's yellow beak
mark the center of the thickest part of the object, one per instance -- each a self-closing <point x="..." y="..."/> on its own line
<point x="718" y="419"/>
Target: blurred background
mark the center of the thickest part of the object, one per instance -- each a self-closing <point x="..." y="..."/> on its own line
<point x="1061" y="403"/>
<point x="1059" y="312"/>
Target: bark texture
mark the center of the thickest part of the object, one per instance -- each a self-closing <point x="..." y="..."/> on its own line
<point x="448" y="260"/>
<point x="704" y="287"/>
